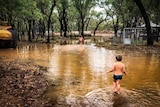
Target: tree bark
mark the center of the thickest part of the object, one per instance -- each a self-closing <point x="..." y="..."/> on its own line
<point x="82" y="25"/>
<point x="87" y="23"/>
<point x="49" y="19"/>
<point x="61" y="23"/>
<point x="98" y="26"/>
<point x="33" y="29"/>
<point x="29" y="29"/>
<point x="65" y="22"/>
<point x="147" y="22"/>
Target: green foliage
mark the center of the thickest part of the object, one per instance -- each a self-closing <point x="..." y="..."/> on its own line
<point x="83" y="6"/>
<point x="125" y="10"/>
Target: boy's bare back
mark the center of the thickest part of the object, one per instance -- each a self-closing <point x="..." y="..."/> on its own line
<point x="119" y="68"/>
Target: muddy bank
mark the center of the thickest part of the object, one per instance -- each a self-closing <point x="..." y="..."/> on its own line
<point x="133" y="48"/>
<point x="22" y="84"/>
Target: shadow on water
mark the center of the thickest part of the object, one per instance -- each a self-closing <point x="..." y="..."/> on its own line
<point x="120" y="101"/>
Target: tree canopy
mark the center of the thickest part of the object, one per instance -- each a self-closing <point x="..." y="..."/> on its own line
<point x="68" y="15"/>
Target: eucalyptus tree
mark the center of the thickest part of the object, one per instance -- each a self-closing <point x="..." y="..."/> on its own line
<point x="110" y="12"/>
<point x="63" y="19"/>
<point x="157" y="10"/>
<point x="44" y="7"/>
<point x="147" y="22"/>
<point x="132" y="14"/>
<point x="117" y="10"/>
<point x="83" y="8"/>
<point x="72" y="15"/>
<point x="30" y="13"/>
<point x="9" y="9"/>
<point x="20" y="10"/>
<point x="47" y="7"/>
<point x="98" y="19"/>
<point x="129" y="12"/>
<point x="53" y="4"/>
<point x="153" y="9"/>
<point x="125" y="11"/>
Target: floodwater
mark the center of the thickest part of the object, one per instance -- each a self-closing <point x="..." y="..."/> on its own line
<point x="78" y="70"/>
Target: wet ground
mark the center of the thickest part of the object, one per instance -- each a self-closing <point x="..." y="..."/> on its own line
<point x="22" y="84"/>
<point x="46" y="75"/>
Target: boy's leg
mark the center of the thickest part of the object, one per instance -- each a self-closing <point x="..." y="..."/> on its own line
<point x="118" y="86"/>
<point x="115" y="86"/>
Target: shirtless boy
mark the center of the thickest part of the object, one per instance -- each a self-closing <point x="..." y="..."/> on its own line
<point x="81" y="40"/>
<point x="118" y="69"/>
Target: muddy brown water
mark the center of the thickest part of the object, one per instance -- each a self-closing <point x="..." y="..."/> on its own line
<point x="78" y="70"/>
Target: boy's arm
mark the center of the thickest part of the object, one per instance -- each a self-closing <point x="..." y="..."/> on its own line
<point x="124" y="70"/>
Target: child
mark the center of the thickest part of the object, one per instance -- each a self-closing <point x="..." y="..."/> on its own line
<point x="118" y="69"/>
<point x="81" y="40"/>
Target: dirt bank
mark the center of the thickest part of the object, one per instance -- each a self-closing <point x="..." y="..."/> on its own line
<point x="133" y="48"/>
<point x="22" y="84"/>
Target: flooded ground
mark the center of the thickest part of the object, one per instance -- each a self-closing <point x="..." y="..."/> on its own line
<point x="75" y="70"/>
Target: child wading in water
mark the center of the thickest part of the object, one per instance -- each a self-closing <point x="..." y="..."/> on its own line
<point x="118" y="69"/>
<point x="81" y="40"/>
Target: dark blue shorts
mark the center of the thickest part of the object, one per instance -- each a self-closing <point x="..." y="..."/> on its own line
<point x="117" y="77"/>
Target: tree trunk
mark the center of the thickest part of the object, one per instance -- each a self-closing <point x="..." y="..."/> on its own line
<point x="49" y="20"/>
<point x="18" y="28"/>
<point x="33" y="29"/>
<point x="87" y="23"/>
<point x="147" y="22"/>
<point x="61" y="23"/>
<point x="116" y="28"/>
<point x="29" y="30"/>
<point x="78" y="24"/>
<point x="98" y="26"/>
<point x="82" y="26"/>
<point x="65" y="22"/>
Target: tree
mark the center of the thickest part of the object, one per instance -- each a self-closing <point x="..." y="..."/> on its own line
<point x="99" y="18"/>
<point x="153" y="9"/>
<point x="147" y="22"/>
<point x="62" y="10"/>
<point x="83" y="7"/>
<point x="29" y="12"/>
<point x="76" y="14"/>
<point x="49" y="18"/>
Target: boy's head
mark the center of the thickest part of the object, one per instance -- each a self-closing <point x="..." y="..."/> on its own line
<point x="119" y="58"/>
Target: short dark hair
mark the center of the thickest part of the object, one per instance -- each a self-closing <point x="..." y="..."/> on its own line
<point x="119" y="58"/>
